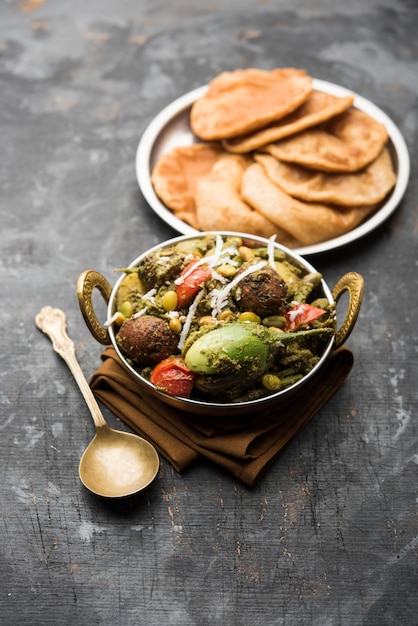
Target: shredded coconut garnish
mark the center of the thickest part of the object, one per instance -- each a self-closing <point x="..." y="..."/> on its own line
<point x="211" y="261"/>
<point x="218" y="245"/>
<point x="219" y="297"/>
<point x="297" y="311"/>
<point x="228" y="252"/>
<point x="190" y="270"/>
<point x="139" y="313"/>
<point x="272" y="239"/>
<point x="188" y="322"/>
<point x="149" y="295"/>
<point x="112" y="319"/>
<point x="218" y="277"/>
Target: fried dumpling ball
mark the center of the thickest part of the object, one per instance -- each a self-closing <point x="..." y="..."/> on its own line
<point x="146" y="339"/>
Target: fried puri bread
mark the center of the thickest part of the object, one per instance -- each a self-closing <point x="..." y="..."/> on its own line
<point x="346" y="143"/>
<point x="309" y="223"/>
<point x="318" y="108"/>
<point x="367" y="186"/>
<point x="219" y="205"/>
<point x="244" y="100"/>
<point x="175" y="175"/>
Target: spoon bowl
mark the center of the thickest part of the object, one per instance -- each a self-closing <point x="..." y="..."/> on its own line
<point x="115" y="464"/>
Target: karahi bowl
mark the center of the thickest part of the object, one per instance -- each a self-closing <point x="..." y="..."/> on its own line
<point x="105" y="334"/>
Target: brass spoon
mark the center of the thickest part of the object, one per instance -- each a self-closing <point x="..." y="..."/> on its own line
<point x="115" y="464"/>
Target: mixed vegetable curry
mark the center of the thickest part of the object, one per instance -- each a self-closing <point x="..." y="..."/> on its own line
<point x="221" y="318"/>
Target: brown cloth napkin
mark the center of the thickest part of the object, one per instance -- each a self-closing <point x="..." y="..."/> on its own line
<point x="244" y="445"/>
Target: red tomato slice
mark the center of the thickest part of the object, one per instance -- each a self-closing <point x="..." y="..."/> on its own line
<point x="174" y="377"/>
<point x="189" y="287"/>
<point x="302" y="314"/>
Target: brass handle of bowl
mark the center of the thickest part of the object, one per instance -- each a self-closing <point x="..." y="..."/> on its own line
<point x="354" y="284"/>
<point x="87" y="282"/>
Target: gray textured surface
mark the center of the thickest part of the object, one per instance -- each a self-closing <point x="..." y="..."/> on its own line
<point x="328" y="536"/>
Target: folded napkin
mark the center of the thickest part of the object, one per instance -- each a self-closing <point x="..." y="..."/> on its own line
<point x="243" y="445"/>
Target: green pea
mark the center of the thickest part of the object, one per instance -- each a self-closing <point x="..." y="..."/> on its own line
<point x="271" y="382"/>
<point x="226" y="270"/>
<point x="119" y="318"/>
<point x="126" y="309"/>
<point x="278" y="321"/>
<point x="175" y="325"/>
<point x="169" y="301"/>
<point x="208" y="320"/>
<point x="249" y="316"/>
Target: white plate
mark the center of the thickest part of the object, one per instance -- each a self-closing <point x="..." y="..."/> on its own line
<point x="171" y="128"/>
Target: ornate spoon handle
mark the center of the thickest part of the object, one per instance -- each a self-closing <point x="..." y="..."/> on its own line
<point x="53" y="323"/>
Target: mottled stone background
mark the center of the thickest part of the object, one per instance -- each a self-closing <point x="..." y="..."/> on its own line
<point x="328" y="537"/>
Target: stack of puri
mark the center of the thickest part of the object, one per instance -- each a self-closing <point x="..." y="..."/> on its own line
<point x="274" y="156"/>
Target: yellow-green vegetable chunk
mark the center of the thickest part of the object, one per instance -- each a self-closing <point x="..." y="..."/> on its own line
<point x="228" y="348"/>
